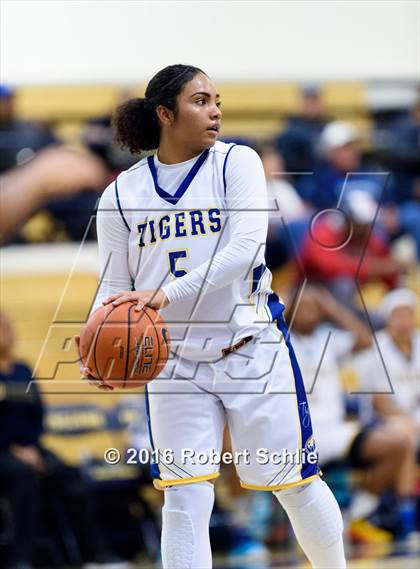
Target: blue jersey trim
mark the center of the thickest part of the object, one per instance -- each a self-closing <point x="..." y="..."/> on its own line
<point x="277" y="308"/>
<point x="257" y="273"/>
<point x="154" y="468"/>
<point x="119" y="206"/>
<point x="224" y="165"/>
<point x="184" y="184"/>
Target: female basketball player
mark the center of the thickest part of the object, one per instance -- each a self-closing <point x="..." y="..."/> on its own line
<point x="186" y="229"/>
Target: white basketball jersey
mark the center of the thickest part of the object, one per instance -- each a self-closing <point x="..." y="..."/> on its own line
<point x="157" y="223"/>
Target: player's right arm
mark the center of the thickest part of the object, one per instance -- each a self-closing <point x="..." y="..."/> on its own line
<point x="113" y="238"/>
<point x="113" y="259"/>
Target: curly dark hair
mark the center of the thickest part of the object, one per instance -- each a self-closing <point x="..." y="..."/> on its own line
<point x="136" y="123"/>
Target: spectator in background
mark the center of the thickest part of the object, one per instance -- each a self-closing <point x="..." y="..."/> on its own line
<point x="299" y="140"/>
<point x="339" y="169"/>
<point x="282" y="196"/>
<point x="53" y="174"/>
<point x="389" y="375"/>
<point x="340" y="162"/>
<point x="402" y="154"/>
<point x="399" y="150"/>
<point x="19" y="140"/>
<point x="323" y="334"/>
<point x="342" y="248"/>
<point x="288" y="215"/>
<point x="392" y="374"/>
<point x="98" y="136"/>
<point x="29" y="472"/>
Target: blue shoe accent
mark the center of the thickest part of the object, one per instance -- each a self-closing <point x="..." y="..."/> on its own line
<point x="250" y="549"/>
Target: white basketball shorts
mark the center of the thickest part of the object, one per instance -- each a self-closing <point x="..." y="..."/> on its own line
<point x="258" y="392"/>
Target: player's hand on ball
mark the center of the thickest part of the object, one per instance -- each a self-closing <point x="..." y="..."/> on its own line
<point x="156" y="299"/>
<point x="86" y="372"/>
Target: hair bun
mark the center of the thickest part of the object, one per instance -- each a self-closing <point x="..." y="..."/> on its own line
<point x="136" y="125"/>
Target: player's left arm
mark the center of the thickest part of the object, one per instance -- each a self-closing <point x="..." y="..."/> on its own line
<point x="246" y="199"/>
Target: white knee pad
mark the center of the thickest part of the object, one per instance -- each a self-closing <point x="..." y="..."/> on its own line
<point x="185" y="526"/>
<point x="317" y="509"/>
<point x="177" y="539"/>
<point x="317" y="522"/>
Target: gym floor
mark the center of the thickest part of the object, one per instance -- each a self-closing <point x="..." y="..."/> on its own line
<point x="363" y="557"/>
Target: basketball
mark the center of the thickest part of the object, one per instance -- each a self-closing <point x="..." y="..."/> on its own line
<point x="124" y="347"/>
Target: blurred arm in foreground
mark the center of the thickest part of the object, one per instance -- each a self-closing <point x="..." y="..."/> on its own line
<point x="52" y="173"/>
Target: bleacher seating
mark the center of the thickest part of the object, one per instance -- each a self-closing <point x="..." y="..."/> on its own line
<point x="255" y="110"/>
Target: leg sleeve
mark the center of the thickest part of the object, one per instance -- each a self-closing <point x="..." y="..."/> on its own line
<point x="185" y="526"/>
<point x="316" y="520"/>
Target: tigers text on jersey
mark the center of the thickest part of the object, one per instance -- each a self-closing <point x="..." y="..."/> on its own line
<point x="196" y="229"/>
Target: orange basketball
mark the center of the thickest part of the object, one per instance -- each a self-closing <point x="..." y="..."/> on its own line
<point x="124" y="347"/>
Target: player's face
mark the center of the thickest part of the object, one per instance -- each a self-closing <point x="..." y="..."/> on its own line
<point x="197" y="122"/>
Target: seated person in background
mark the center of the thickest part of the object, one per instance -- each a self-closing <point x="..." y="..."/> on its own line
<point x="288" y="215"/>
<point x="29" y="472"/>
<point x="323" y="333"/>
<point x="337" y="254"/>
<point x="340" y="162"/>
<point x="392" y="374"/>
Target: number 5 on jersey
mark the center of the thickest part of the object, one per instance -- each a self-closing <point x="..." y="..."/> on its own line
<point x="174" y="256"/>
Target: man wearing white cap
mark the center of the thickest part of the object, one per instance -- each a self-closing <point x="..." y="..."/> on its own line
<point x="341" y="135"/>
<point x="341" y="163"/>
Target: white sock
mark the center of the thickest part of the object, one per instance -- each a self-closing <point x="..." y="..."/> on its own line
<point x="185" y="526"/>
<point x="316" y="520"/>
